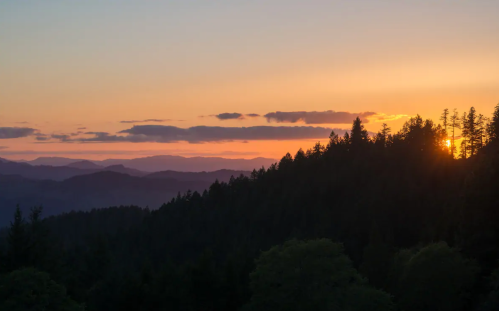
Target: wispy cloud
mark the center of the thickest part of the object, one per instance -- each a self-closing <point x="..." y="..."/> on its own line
<point x="317" y="117"/>
<point x="61" y="137"/>
<point x="201" y="134"/>
<point x="81" y="128"/>
<point x="15" y="132"/>
<point x="3" y="147"/>
<point x="42" y="137"/>
<point x="233" y="116"/>
<point x="148" y="121"/>
<point x="77" y="154"/>
<point x="229" y="116"/>
<point x="381" y="117"/>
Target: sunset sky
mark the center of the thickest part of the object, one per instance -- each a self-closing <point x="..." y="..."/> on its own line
<point x="122" y="79"/>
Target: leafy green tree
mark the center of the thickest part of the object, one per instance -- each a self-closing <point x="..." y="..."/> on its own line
<point x="492" y="301"/>
<point x="377" y="260"/>
<point x="29" y="289"/>
<point x="311" y="275"/>
<point x="436" y="278"/>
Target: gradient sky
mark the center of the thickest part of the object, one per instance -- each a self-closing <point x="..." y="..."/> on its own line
<point x="67" y="65"/>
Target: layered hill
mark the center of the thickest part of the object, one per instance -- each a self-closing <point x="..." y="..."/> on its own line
<point x="164" y="163"/>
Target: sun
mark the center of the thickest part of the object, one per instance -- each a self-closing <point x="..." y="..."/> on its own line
<point x="447" y="142"/>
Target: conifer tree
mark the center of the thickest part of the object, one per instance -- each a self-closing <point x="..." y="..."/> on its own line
<point x="471" y="132"/>
<point x="358" y="136"/>
<point x="481" y="131"/>
<point x="17" y="242"/>
<point x="454" y="124"/>
<point x="445" y="118"/>
<point x="465" y="134"/>
<point x="493" y="127"/>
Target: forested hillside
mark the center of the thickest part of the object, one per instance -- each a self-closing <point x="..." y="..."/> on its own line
<point x="101" y="189"/>
<point x="398" y="221"/>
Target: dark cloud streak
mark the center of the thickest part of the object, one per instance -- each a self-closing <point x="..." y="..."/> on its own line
<point x="229" y="116"/>
<point x="317" y="117"/>
<point x="202" y="134"/>
<point x="148" y="121"/>
<point x="15" y="132"/>
<point x="234" y="116"/>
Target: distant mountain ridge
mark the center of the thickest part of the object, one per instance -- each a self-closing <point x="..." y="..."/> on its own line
<point x="167" y="162"/>
<point x="58" y="173"/>
<point x="64" y="188"/>
<point x="220" y="175"/>
<point x="101" y="189"/>
<point x="85" y="165"/>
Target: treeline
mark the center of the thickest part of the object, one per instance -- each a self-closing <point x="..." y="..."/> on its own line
<point x="396" y="221"/>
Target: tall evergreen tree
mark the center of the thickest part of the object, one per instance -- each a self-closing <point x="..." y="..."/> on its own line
<point x="454" y="124"/>
<point x="481" y="129"/>
<point x="465" y="135"/>
<point x="471" y="132"/>
<point x="358" y="136"/>
<point x="493" y="128"/>
<point x="17" y="242"/>
<point x="445" y="118"/>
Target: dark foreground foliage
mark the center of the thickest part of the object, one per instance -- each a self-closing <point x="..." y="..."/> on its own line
<point x="391" y="222"/>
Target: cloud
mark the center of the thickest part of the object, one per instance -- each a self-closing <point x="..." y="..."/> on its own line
<point x="183" y="152"/>
<point x="148" y="120"/>
<point x="201" y="134"/>
<point x="381" y="117"/>
<point x="61" y="137"/>
<point x="81" y="128"/>
<point x="15" y="132"/>
<point x="317" y="117"/>
<point x="42" y="137"/>
<point x="233" y="116"/>
<point x="229" y="116"/>
<point x="22" y="122"/>
<point x="3" y="147"/>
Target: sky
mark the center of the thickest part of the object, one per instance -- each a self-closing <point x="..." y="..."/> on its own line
<point x="239" y="79"/>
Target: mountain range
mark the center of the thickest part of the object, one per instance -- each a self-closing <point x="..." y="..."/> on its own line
<point x="89" y="191"/>
<point x="75" y="184"/>
<point x="101" y="189"/>
<point x="162" y="163"/>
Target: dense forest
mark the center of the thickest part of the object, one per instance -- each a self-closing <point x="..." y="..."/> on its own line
<point x="398" y="221"/>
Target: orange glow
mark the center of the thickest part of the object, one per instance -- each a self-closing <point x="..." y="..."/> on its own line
<point x="448" y="143"/>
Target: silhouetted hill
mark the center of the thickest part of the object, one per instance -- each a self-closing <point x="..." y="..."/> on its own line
<point x="123" y="170"/>
<point x="85" y="165"/>
<point x="85" y="192"/>
<point x="40" y="172"/>
<point x="2" y="160"/>
<point x="386" y="200"/>
<point x="59" y="173"/>
<point x="220" y="175"/>
<point x="53" y="161"/>
<point x="195" y="164"/>
<point x="168" y="162"/>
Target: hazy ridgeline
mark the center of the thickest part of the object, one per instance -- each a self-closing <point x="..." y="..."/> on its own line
<point x="399" y="221"/>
